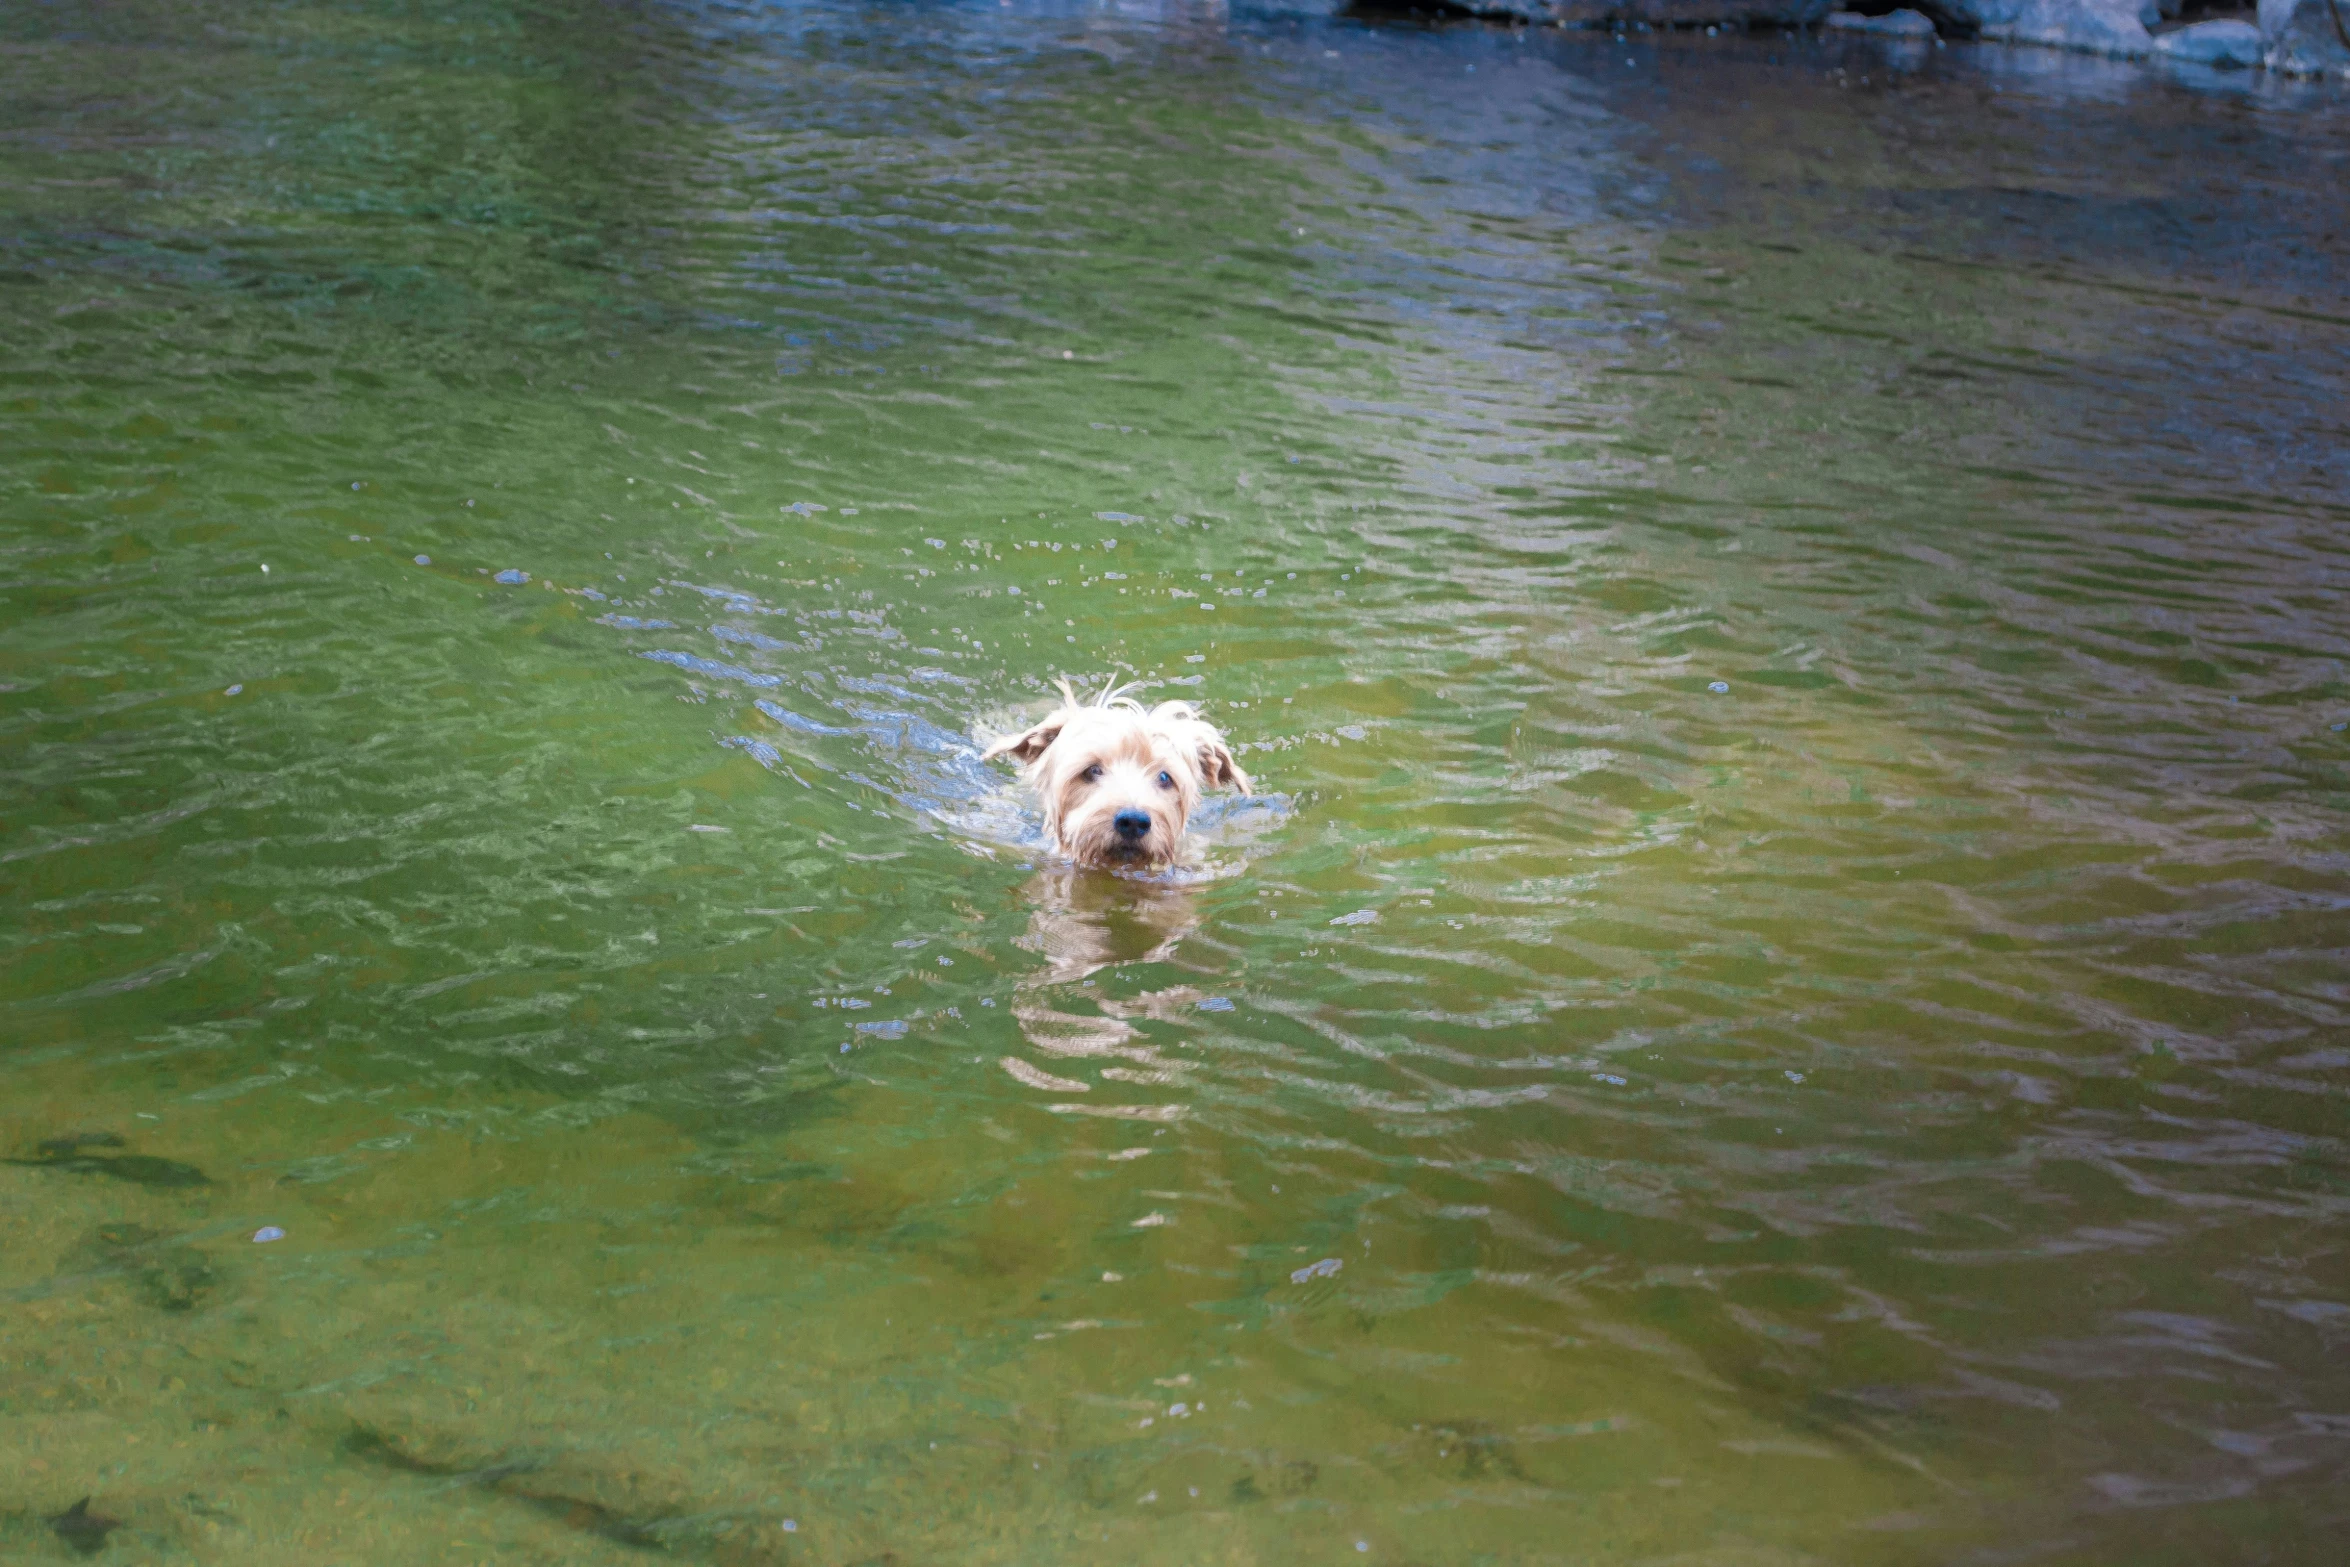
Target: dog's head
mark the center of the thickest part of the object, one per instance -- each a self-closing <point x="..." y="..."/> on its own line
<point x="1119" y="780"/>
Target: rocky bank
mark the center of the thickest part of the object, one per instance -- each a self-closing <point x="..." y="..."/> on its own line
<point x="2295" y="37"/>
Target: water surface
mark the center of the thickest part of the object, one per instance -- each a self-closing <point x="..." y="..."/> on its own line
<point x="1781" y="998"/>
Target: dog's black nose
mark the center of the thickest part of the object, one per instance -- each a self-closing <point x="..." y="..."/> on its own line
<point x="1131" y="824"/>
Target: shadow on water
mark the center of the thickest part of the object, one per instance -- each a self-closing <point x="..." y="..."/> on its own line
<point x="1425" y="12"/>
<point x="74" y="1156"/>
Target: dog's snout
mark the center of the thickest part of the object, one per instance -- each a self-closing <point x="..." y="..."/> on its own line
<point x="1132" y="826"/>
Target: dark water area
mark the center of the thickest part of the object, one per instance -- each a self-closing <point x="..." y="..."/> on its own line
<point x="1780" y="998"/>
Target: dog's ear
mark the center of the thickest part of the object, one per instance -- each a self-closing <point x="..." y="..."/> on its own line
<point x="1216" y="764"/>
<point x="1028" y="746"/>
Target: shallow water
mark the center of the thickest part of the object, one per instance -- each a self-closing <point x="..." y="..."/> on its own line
<point x="1781" y="998"/>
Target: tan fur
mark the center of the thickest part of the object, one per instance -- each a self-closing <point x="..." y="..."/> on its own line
<point x="1089" y="762"/>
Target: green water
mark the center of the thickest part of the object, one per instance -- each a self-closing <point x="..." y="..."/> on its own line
<point x="1887" y="1109"/>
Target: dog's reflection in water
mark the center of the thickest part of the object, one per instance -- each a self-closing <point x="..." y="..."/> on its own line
<point x="1085" y="922"/>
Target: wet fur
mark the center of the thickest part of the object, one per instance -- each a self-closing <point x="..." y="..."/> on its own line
<point x="1089" y="761"/>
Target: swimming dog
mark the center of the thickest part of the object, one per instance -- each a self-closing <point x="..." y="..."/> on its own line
<point x="1119" y="780"/>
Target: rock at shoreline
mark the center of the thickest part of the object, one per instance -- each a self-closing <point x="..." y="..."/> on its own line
<point x="2306" y="37"/>
<point x="2112" y="27"/>
<point x="1900" y="24"/>
<point x="1654" y="13"/>
<point x="2296" y="37"/>
<point x="2109" y="27"/>
<point x="2236" y="44"/>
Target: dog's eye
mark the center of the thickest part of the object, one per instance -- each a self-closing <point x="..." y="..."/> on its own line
<point x="1166" y="780"/>
<point x="1093" y="774"/>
